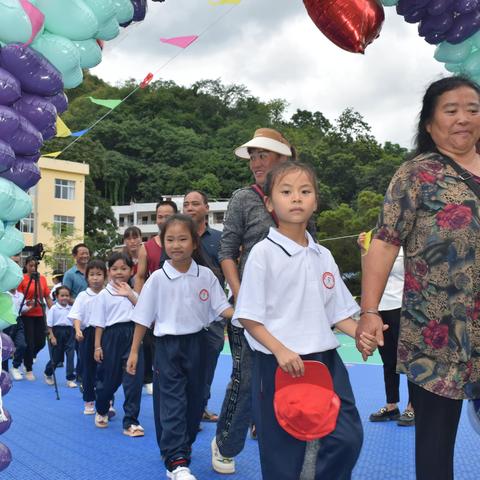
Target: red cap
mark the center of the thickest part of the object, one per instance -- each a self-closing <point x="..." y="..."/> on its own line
<point x="306" y="407"/>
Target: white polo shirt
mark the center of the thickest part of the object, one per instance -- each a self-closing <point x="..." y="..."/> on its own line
<point x="82" y="308"/>
<point x="295" y="292"/>
<point x="57" y="316"/>
<point x="108" y="308"/>
<point x="393" y="293"/>
<point x="180" y="303"/>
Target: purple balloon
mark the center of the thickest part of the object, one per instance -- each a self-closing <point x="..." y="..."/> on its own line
<point x="10" y="89"/>
<point x="464" y="26"/>
<point x="437" y="23"/>
<point x="27" y="140"/>
<point x="7" y="346"/>
<point x="60" y="101"/>
<point x="405" y="6"/>
<point x="415" y="16"/>
<point x="23" y="173"/>
<point x="39" y="111"/>
<point x="9" y="122"/>
<point x="5" y="456"/>
<point x="29" y="158"/>
<point x="5" y="382"/>
<point x="465" y="6"/>
<point x="7" y="156"/>
<point x="4" y="426"/>
<point x="139" y="10"/>
<point x="435" y="38"/>
<point x="34" y="72"/>
<point x="437" y="7"/>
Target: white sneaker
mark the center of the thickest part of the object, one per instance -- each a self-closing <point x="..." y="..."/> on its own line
<point x="71" y="384"/>
<point x="49" y="380"/>
<point x="30" y="376"/>
<point x="149" y="388"/>
<point x="101" y="421"/>
<point x="16" y="374"/>
<point x="181" y="473"/>
<point x="220" y="463"/>
<point x="89" y="408"/>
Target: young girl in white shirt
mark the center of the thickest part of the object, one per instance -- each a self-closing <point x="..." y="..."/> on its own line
<point x="80" y="314"/>
<point x="291" y="297"/>
<point x="61" y="336"/>
<point x="181" y="300"/>
<point x="111" y="315"/>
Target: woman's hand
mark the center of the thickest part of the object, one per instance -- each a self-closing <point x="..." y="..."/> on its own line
<point x="370" y="324"/>
<point x="78" y="335"/>
<point x="132" y="363"/>
<point x="290" y="362"/>
<point x="98" y="355"/>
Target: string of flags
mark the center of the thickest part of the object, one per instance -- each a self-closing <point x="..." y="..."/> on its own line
<point x="181" y="42"/>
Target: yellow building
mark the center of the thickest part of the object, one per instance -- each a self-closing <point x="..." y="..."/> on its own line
<point x="58" y="201"/>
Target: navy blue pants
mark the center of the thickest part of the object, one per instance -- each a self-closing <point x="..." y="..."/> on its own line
<point x="214" y="338"/>
<point x="89" y="365"/>
<point x="281" y="455"/>
<point x="178" y="393"/>
<point x="111" y="373"/>
<point x="16" y="333"/>
<point x="65" y="347"/>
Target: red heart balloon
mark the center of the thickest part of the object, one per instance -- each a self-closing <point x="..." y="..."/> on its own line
<point x="349" y="24"/>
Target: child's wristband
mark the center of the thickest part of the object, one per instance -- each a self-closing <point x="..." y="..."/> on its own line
<point x="98" y="348"/>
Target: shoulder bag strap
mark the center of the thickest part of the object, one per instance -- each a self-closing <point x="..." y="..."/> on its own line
<point x="464" y="175"/>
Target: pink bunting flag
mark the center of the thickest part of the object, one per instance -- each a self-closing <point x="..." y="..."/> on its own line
<point x="182" y="42"/>
<point x="36" y="18"/>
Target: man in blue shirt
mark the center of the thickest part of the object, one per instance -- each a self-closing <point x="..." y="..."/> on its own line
<point x="74" y="278"/>
<point x="195" y="205"/>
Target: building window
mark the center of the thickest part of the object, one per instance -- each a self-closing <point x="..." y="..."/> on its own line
<point x="27" y="224"/>
<point x="63" y="224"/>
<point x="218" y="217"/>
<point x="64" y="189"/>
<point x="62" y="262"/>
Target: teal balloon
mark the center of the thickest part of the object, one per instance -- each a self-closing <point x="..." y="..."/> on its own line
<point x="389" y="3"/>
<point x="12" y="277"/>
<point x="90" y="53"/>
<point x="2" y="229"/>
<point x="72" y="19"/>
<point x="3" y="266"/>
<point x="12" y="242"/>
<point x="15" y="25"/>
<point x="454" y="67"/>
<point x="471" y="65"/>
<point x="20" y="207"/>
<point x="106" y="13"/>
<point x="63" y="54"/>
<point x="7" y="195"/>
<point x="124" y="10"/>
<point x="449" y="53"/>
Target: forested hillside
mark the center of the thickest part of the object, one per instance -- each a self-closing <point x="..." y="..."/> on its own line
<point x="166" y="139"/>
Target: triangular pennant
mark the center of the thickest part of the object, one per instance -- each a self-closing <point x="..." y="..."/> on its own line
<point x="224" y="2"/>
<point x="52" y="155"/>
<point x="182" y="42"/>
<point x="80" y="133"/>
<point x="368" y="240"/>
<point x="106" y="103"/>
<point x="62" y="129"/>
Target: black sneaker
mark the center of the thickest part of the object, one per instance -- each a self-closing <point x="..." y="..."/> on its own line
<point x="384" y="415"/>
<point x="407" y="419"/>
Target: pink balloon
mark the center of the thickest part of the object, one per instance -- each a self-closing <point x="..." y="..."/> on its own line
<point x="36" y="18"/>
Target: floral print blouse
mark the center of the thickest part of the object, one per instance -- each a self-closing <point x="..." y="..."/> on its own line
<point x="436" y="217"/>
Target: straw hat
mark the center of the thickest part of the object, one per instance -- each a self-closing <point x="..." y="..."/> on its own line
<point x="267" y="139"/>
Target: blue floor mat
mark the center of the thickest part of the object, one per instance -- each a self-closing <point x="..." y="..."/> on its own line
<point x="52" y="440"/>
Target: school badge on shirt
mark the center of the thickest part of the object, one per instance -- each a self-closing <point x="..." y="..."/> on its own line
<point x="203" y="295"/>
<point x="328" y="280"/>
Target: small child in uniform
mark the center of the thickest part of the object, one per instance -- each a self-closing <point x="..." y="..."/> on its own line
<point x="290" y="297"/>
<point x="182" y="299"/>
<point x="62" y="337"/>
<point x="80" y="314"/>
<point x="111" y="315"/>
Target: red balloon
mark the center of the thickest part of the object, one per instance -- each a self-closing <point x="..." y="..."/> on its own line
<point x="349" y="24"/>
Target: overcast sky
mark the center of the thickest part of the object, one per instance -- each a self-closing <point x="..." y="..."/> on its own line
<point x="273" y="48"/>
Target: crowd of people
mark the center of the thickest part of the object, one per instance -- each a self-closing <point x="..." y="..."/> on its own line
<point x="155" y="313"/>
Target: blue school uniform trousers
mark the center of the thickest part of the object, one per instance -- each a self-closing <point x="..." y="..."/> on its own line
<point x="281" y="455"/>
<point x="89" y="365"/>
<point x="65" y="346"/>
<point x="111" y="373"/>
<point x="178" y="394"/>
